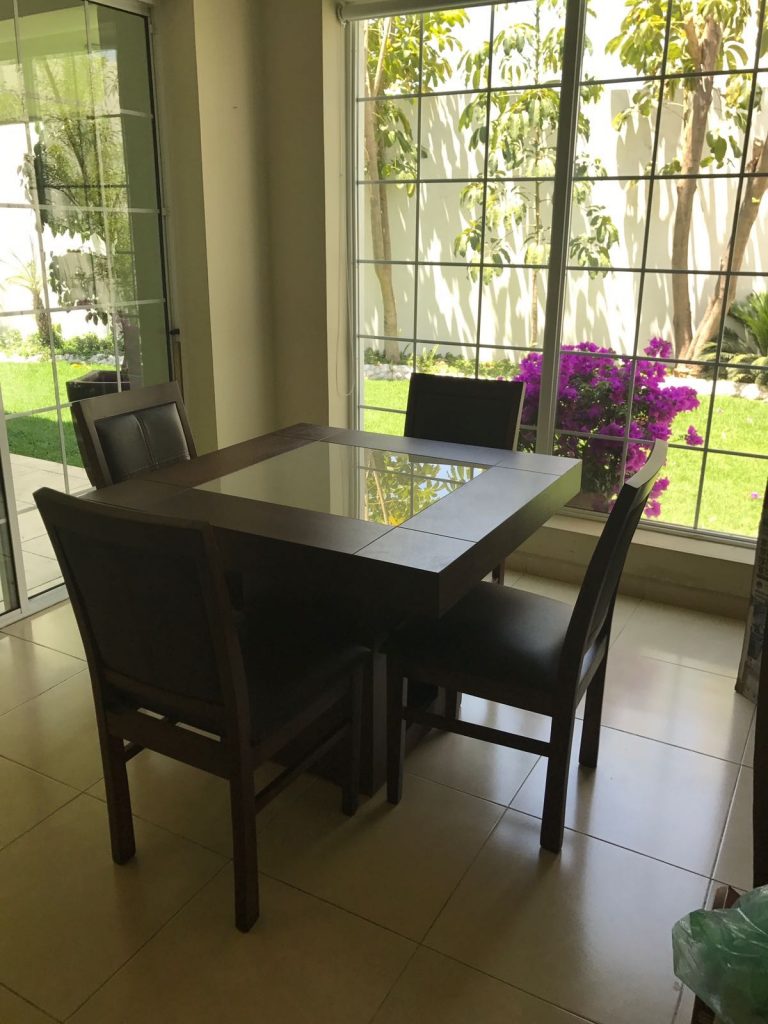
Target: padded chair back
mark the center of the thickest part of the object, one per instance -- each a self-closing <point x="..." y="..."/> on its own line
<point x="464" y="410"/>
<point x="151" y="604"/>
<point x="130" y="432"/>
<point x="594" y="606"/>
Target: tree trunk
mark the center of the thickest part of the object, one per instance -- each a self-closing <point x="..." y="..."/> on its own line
<point x="378" y="208"/>
<point x="754" y="190"/>
<point x="705" y="53"/>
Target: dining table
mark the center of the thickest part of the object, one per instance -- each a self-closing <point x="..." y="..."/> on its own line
<point x="382" y="529"/>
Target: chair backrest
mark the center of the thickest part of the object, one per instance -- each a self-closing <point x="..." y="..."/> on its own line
<point x="464" y="410"/>
<point x="151" y="603"/>
<point x="129" y="432"/>
<point x="594" y="605"/>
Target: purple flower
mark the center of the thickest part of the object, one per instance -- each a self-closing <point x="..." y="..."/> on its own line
<point x="754" y="495"/>
<point x="693" y="437"/>
<point x="594" y="388"/>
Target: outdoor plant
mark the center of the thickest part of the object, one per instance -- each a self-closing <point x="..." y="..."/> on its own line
<point x="595" y="389"/>
<point x="745" y="348"/>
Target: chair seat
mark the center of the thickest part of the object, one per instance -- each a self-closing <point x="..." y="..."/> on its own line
<point x="291" y="659"/>
<point x="495" y="640"/>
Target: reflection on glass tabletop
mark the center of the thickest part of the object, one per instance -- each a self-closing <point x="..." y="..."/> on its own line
<point x="345" y="480"/>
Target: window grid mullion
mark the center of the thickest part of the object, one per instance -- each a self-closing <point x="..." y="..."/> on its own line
<point x="573" y="47"/>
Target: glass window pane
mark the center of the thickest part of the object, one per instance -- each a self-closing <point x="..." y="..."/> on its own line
<point x="740" y="414"/>
<point x="385" y="300"/>
<point x="391" y="48"/>
<point x="53" y="44"/>
<point x="610" y="30"/>
<point x="456" y="49"/>
<point x="447" y="305"/>
<point x="733" y="494"/>
<point x="386" y="206"/>
<point x="384" y="422"/>
<point x="452" y="136"/>
<point x="450" y="217"/>
<point x="118" y="45"/>
<point x="678" y="499"/>
<point x="514" y="302"/>
<point x="608" y="224"/>
<point x="386" y="373"/>
<point x="390" y="132"/>
<point x="527" y="43"/>
<point x="141" y="332"/>
<point x="601" y="308"/>
<point x="609" y="143"/>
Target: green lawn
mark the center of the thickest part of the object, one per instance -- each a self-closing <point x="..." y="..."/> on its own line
<point x="738" y="424"/>
<point x="30" y="386"/>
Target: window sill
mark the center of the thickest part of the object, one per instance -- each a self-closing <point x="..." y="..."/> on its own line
<point x="687" y="572"/>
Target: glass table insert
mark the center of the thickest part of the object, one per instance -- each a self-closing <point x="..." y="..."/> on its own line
<point x="360" y="483"/>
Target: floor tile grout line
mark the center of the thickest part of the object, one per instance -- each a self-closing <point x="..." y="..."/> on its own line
<point x="149" y="939"/>
<point x="613" y="639"/>
<point x="508" y="984"/>
<point x="724" y="829"/>
<point x="390" y="990"/>
<point x="619" y="846"/>
<point x="675" y="746"/>
<point x="29" y="1002"/>
<point x="731" y="676"/>
<point x="50" y="778"/>
<point x="517" y="791"/>
<point x="7" y="631"/>
<point x="458" y="789"/>
<point x="77" y="794"/>
<point x="42" y="693"/>
<point x="463" y="875"/>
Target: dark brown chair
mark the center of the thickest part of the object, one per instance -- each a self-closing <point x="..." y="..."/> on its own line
<point x="465" y="411"/>
<point x="530" y="652"/>
<point x="130" y="432"/>
<point x="167" y="656"/>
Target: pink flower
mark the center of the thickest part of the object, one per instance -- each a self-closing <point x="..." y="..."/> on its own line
<point x="693" y="437"/>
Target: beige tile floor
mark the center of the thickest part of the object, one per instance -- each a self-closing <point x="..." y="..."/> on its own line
<point x="443" y="910"/>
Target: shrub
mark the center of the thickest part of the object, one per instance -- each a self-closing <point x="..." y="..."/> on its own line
<point x="595" y="388"/>
<point x="84" y="345"/>
<point x="10" y="338"/>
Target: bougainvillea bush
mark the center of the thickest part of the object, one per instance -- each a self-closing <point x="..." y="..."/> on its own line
<point x="594" y="394"/>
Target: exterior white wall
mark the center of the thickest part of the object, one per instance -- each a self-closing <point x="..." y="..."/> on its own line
<point x="601" y="309"/>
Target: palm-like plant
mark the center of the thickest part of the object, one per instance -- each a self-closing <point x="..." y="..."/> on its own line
<point x="744" y="347"/>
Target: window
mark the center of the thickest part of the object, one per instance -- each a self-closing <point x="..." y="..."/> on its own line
<point x="494" y="230"/>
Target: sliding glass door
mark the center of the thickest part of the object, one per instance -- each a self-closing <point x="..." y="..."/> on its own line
<point x="82" y="289"/>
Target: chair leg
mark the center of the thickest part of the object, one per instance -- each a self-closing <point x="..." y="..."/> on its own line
<point x="593" y="709"/>
<point x="556" y="791"/>
<point x="451" y="699"/>
<point x="351" y="789"/>
<point x="396" y="698"/>
<point x="497" y="575"/>
<point x="118" y="800"/>
<point x="241" y="797"/>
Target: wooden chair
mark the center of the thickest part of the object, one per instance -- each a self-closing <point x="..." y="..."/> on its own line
<point x="465" y="411"/>
<point x="530" y="652"/>
<point x="130" y="432"/>
<point x="167" y="656"/>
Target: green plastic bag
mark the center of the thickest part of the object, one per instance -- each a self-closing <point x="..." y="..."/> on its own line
<point x="722" y="955"/>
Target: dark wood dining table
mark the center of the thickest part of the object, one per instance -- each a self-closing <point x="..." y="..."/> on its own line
<point x="383" y="528"/>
